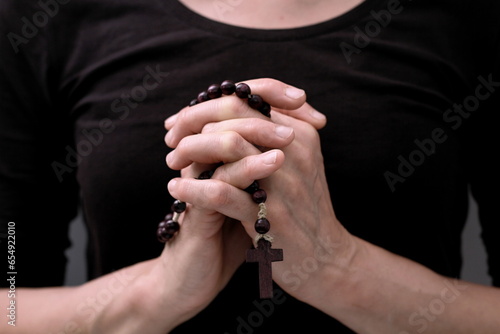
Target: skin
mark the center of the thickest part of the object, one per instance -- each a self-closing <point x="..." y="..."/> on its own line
<point x="277" y="14"/>
<point x="365" y="287"/>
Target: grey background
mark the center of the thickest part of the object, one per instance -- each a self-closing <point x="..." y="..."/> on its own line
<point x="474" y="256"/>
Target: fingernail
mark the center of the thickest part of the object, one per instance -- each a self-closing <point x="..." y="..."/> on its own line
<point x="169" y="122"/>
<point x="171" y="185"/>
<point x="167" y="138"/>
<point x="316" y="114"/>
<point x="283" y="131"/>
<point x="294" y="93"/>
<point x="269" y="158"/>
<point x="169" y="158"/>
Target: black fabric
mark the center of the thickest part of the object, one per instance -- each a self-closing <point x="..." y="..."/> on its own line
<point x="410" y="90"/>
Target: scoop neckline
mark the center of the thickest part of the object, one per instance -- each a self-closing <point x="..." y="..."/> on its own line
<point x="184" y="14"/>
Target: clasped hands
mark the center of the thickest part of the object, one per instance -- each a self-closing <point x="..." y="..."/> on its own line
<point x="284" y="154"/>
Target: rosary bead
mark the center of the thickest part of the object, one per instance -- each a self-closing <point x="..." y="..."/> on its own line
<point x="262" y="226"/>
<point x="259" y="196"/>
<point x="228" y="87"/>
<point x="178" y="206"/>
<point x="166" y="230"/>
<point x="168" y="216"/>
<point x="171" y="226"/>
<point x="202" y="97"/>
<point x="243" y="91"/>
<point x="255" y="102"/>
<point x="214" y="91"/>
<point x="253" y="187"/>
<point x="193" y="102"/>
<point x="162" y="235"/>
<point x="265" y="109"/>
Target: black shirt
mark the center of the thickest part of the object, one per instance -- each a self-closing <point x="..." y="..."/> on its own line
<point x="410" y="90"/>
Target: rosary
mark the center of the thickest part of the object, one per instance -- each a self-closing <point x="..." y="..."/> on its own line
<point x="263" y="254"/>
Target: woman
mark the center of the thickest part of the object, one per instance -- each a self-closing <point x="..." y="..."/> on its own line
<point x="368" y="213"/>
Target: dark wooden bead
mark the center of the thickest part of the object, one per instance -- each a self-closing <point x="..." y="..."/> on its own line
<point x="178" y="206"/>
<point x="255" y="102"/>
<point x="171" y="226"/>
<point x="214" y="91"/>
<point x="262" y="226"/>
<point x="259" y="196"/>
<point x="168" y="216"/>
<point x="243" y="90"/>
<point x="162" y="235"/>
<point x="253" y="187"/>
<point x="202" y="97"/>
<point x="193" y="102"/>
<point x="265" y="109"/>
<point x="227" y="87"/>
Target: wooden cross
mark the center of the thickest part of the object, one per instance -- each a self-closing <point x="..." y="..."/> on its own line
<point x="265" y="256"/>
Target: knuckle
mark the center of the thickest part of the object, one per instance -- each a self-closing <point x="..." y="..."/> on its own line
<point x="183" y="145"/>
<point x="232" y="142"/>
<point x="209" y="128"/>
<point x="229" y="106"/>
<point x="268" y="83"/>
<point x="222" y="174"/>
<point x="217" y="194"/>
<point x="264" y="132"/>
<point x="246" y="170"/>
<point x="183" y="118"/>
<point x="309" y="135"/>
<point x="247" y="166"/>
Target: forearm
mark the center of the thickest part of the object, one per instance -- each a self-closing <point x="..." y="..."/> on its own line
<point x="103" y="305"/>
<point x="379" y="292"/>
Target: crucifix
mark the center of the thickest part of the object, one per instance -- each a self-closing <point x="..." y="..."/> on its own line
<point x="265" y="256"/>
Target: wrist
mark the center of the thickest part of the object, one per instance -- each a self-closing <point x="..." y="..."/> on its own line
<point x="336" y="260"/>
<point x="167" y="304"/>
<point x="158" y="300"/>
<point x="146" y="305"/>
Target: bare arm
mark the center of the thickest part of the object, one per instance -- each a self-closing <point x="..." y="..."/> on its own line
<point x="66" y="309"/>
<point x="376" y="291"/>
<point x="120" y="302"/>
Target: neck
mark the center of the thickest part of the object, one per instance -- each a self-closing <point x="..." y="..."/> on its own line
<point x="266" y="14"/>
